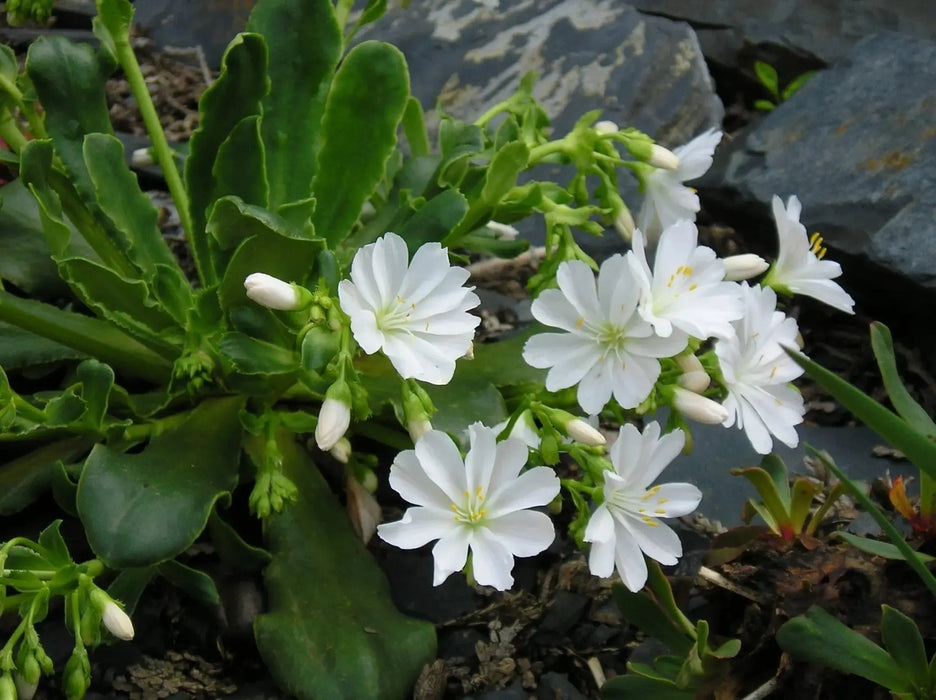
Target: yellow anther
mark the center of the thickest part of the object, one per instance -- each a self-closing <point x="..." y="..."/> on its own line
<point x="693" y="287"/>
<point x="650" y="493"/>
<point x="650" y="521"/>
<point x="660" y="511"/>
<point x="580" y="322"/>
<point x="815" y="245"/>
<point x="662" y="501"/>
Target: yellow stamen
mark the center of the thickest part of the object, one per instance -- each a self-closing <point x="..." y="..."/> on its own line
<point x="580" y="322"/>
<point x="650" y="521"/>
<point x="650" y="493"/>
<point x="815" y="245"/>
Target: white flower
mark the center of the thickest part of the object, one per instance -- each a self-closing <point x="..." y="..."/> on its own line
<point x="799" y="268"/>
<point x="757" y="372"/>
<point x="333" y="422"/>
<point x="666" y="199"/>
<point x="116" y="621"/>
<point x="687" y="289"/>
<point x="744" y="266"/>
<point x="627" y="526"/>
<point x="480" y="504"/>
<point x="605" y="347"/>
<point x="417" y="313"/>
<point x="274" y="293"/>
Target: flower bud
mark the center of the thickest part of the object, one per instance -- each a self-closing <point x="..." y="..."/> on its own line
<point x="7" y="687"/>
<point x="744" y="267"/>
<point x="333" y="422"/>
<point x="698" y="408"/>
<point x="606" y="126"/>
<point x="580" y="431"/>
<point x="274" y="293"/>
<point x="624" y="224"/>
<point x="662" y="158"/>
<point x="142" y="157"/>
<point x="24" y="690"/>
<point x="341" y="450"/>
<point x="77" y="675"/>
<point x="417" y="428"/>
<point x="503" y="232"/>
<point x="694" y="377"/>
<point x="363" y="510"/>
<point x="117" y="622"/>
<point x="524" y="429"/>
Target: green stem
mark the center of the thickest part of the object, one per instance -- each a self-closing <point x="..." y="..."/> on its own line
<point x="10" y="131"/>
<point x="537" y="153"/>
<point x="161" y="149"/>
<point x="492" y="112"/>
<point x="142" y="431"/>
<point x="28" y="411"/>
<point x="895" y="537"/>
<point x="35" y="125"/>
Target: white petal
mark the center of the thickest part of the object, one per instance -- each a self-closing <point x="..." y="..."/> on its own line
<point x="595" y="388"/>
<point x="632" y="380"/>
<point x="491" y="562"/>
<point x="553" y="309"/>
<point x="535" y="487"/>
<point x="577" y="282"/>
<point x="479" y="462"/>
<point x="409" y="479"/>
<point x="510" y="457"/>
<point x="417" y="527"/>
<point x="449" y="555"/>
<point x="656" y="540"/>
<point x="675" y="500"/>
<point x="629" y="560"/>
<point x="525" y="533"/>
<point x="439" y="458"/>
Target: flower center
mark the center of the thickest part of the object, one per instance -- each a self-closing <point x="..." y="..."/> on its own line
<point x="611" y="336"/>
<point x="647" y="506"/>
<point x="471" y="511"/>
<point x="396" y="315"/>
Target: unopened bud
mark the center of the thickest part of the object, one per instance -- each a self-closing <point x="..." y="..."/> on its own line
<point x="274" y="293"/>
<point x="7" y="687"/>
<point x="77" y="675"/>
<point x="624" y="224"/>
<point x="503" y="232"/>
<point x="117" y="622"/>
<point x="418" y="428"/>
<point x="24" y="690"/>
<point x="580" y="431"/>
<point x="333" y="422"/>
<point x="744" y="267"/>
<point x="662" y="158"/>
<point x="694" y="377"/>
<point x="341" y="450"/>
<point x="142" y="157"/>
<point x="698" y="408"/>
<point x="606" y="126"/>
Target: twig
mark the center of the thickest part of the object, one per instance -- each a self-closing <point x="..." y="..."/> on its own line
<point x="717" y="579"/>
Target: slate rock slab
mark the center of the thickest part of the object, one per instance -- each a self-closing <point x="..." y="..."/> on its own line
<point x="823" y="30"/>
<point x="858" y="146"/>
<point x="647" y="72"/>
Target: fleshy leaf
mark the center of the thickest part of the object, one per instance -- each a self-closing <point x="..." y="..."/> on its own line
<point x="197" y="584"/>
<point x="906" y="406"/>
<point x="818" y="637"/>
<point x="435" y="219"/>
<point x="143" y="509"/>
<point x="878" y="548"/>
<point x="902" y="639"/>
<point x="24" y="479"/>
<point x="341" y="637"/>
<point x="239" y="168"/>
<point x="357" y="139"/>
<point x="234" y="95"/>
<point x="305" y="44"/>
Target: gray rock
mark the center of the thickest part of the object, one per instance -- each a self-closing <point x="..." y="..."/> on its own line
<point x="823" y="30"/>
<point x="858" y="146"/>
<point x="642" y="71"/>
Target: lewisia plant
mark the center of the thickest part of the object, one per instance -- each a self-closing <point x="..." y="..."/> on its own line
<point x="326" y="327"/>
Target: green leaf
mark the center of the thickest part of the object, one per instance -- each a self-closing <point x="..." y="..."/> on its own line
<point x="818" y="637"/>
<point x="146" y="508"/>
<point x="414" y="127"/>
<point x="25" y="261"/>
<point x="97" y="380"/>
<point x="232" y="221"/>
<point x="51" y="540"/>
<point x="493" y="246"/>
<point x="331" y="630"/>
<point x="917" y="448"/>
<point x="458" y="142"/>
<point x="26" y="478"/>
<point x="767" y="489"/>
<point x="501" y="175"/>
<point x="764" y="105"/>
<point x="319" y="346"/>
<point x="357" y="139"/>
<point x="121" y="200"/>
<point x="767" y="75"/>
<point x="804" y="490"/>
<point x="199" y="585"/>
<point x="904" y="643"/>
<point x="373" y="11"/>
<point x="639" y="610"/>
<point x="252" y="356"/>
<point x="69" y="79"/>
<point x="232" y="549"/>
<point x="631" y="687"/>
<point x="20" y="348"/>
<point x="112" y="23"/>
<point x="795" y="84"/>
<point x="240" y="168"/>
<point x="234" y="95"/>
<point x="305" y="45"/>
<point x="87" y="335"/>
<point x="908" y="409"/>
<point x="129" y="585"/>
<point x="878" y="548"/>
<point x="885" y="524"/>
<point x="434" y="220"/>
